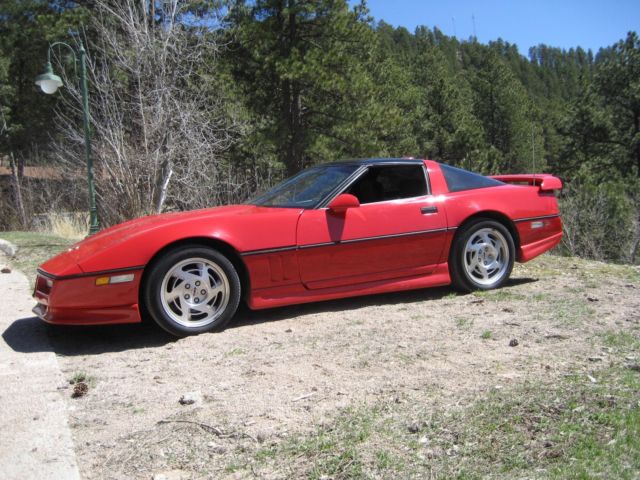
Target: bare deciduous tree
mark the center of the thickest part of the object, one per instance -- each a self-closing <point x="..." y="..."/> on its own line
<point x="159" y="135"/>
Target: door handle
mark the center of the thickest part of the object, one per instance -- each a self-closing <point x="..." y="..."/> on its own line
<point x="428" y="210"/>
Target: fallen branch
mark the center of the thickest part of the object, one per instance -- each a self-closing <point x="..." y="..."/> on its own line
<point x="204" y="426"/>
<point x="303" y="397"/>
<point x="211" y="429"/>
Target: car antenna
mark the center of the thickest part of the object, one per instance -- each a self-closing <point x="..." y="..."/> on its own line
<point x="533" y="153"/>
<point x="473" y="20"/>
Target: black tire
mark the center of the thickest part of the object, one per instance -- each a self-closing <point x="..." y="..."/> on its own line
<point x="482" y="255"/>
<point x="191" y="290"/>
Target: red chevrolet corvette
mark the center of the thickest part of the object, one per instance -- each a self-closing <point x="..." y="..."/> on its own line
<point x="337" y="230"/>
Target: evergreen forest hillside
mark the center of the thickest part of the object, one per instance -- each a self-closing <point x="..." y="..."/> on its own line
<point x="198" y="103"/>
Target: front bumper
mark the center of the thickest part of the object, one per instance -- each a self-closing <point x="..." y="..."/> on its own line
<point x="77" y="300"/>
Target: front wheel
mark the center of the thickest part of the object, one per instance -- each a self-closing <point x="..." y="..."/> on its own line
<point x="482" y="256"/>
<point x="191" y="290"/>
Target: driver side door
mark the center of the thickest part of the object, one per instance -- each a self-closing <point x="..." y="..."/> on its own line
<point x="399" y="230"/>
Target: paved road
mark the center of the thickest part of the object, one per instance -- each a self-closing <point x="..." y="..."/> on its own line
<point x="35" y="441"/>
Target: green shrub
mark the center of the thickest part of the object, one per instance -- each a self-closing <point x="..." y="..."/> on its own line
<point x="601" y="220"/>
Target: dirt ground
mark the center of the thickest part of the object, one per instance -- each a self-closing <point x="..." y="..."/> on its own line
<point x="277" y="373"/>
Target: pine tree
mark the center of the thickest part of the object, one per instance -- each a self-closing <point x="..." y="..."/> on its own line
<point x="502" y="105"/>
<point x="445" y="126"/>
<point x="617" y="82"/>
<point x="302" y="66"/>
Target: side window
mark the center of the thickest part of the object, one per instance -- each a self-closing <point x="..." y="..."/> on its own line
<point x="458" y="179"/>
<point x="390" y="182"/>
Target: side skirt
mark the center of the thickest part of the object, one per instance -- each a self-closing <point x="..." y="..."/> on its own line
<point x="296" y="294"/>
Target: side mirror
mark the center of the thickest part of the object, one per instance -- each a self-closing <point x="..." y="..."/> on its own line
<point x="343" y="202"/>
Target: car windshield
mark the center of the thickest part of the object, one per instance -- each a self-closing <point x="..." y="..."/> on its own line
<point x="307" y="188"/>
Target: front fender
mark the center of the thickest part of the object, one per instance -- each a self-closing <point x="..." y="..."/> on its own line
<point x="259" y="228"/>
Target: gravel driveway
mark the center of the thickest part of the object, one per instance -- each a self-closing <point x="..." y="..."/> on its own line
<point x="35" y="441"/>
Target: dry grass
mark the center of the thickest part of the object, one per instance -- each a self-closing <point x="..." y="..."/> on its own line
<point x="33" y="249"/>
<point x="69" y="225"/>
<point x="568" y="428"/>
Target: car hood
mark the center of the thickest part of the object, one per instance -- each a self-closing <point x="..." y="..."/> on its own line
<point x="70" y="262"/>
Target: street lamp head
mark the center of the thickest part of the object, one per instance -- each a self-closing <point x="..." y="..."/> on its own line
<point x="49" y="82"/>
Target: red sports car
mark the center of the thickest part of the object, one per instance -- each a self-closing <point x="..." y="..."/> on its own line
<point x="337" y="230"/>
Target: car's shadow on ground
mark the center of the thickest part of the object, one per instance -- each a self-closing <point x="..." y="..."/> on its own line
<point x="30" y="335"/>
<point x="245" y="316"/>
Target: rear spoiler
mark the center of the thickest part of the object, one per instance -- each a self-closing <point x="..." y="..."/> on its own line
<point x="544" y="181"/>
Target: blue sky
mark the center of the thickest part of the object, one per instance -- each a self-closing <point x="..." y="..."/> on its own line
<point x="561" y="23"/>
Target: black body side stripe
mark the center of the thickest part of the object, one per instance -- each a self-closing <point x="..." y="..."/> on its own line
<point x="268" y="250"/>
<point x="355" y="240"/>
<point x="88" y="274"/>
<point x="316" y="245"/>
<point x="528" y="219"/>
<point x="395" y="235"/>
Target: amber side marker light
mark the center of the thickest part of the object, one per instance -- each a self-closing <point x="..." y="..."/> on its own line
<point x="115" y="279"/>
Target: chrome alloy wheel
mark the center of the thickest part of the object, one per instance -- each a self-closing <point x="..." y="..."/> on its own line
<point x="486" y="256"/>
<point x="195" y="292"/>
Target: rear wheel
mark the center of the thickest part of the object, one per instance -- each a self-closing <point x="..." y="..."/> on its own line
<point x="482" y="255"/>
<point x="192" y="290"/>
